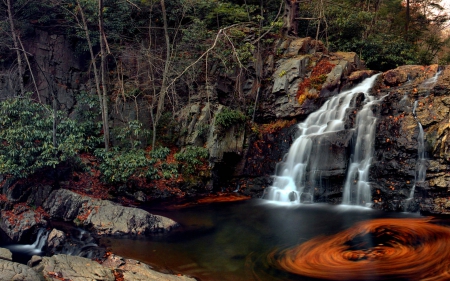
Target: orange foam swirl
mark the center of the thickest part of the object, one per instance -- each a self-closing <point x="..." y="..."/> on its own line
<point x="382" y="249"/>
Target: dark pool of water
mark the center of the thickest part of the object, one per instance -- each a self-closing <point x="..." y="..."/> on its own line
<point x="232" y="241"/>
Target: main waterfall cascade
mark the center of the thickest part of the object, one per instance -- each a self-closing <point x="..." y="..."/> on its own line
<point x="300" y="163"/>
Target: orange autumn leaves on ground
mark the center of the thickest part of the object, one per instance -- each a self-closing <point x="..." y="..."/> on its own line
<point x="315" y="81"/>
<point x="89" y="183"/>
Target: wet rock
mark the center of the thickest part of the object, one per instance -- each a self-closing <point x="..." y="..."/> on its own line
<point x="103" y="216"/>
<point x="64" y="267"/>
<point x="55" y="240"/>
<point x="140" y="196"/>
<point x="20" y="222"/>
<point x="12" y="271"/>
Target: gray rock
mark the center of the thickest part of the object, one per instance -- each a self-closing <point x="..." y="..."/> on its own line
<point x="55" y="240"/>
<point x="133" y="270"/>
<point x="35" y="260"/>
<point x="20" y="221"/>
<point x="17" y="272"/>
<point x="287" y="71"/>
<point x="104" y="216"/>
<point x="5" y="254"/>
<point x="72" y="268"/>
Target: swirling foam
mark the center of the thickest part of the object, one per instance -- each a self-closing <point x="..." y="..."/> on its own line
<point x="382" y="249"/>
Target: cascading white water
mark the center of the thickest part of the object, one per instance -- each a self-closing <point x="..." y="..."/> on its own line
<point x="36" y="247"/>
<point x="420" y="172"/>
<point x="302" y="159"/>
<point x="357" y="188"/>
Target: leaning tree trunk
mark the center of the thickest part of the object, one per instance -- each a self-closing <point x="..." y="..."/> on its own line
<point x="290" y="21"/>
<point x="103" y="75"/>
<point x="164" y="88"/>
<point x="15" y="36"/>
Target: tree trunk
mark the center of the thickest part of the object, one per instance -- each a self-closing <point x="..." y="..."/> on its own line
<point x="103" y="75"/>
<point x="163" y="91"/>
<point x="407" y="18"/>
<point x="96" y="74"/>
<point x="290" y="22"/>
<point x="16" y="46"/>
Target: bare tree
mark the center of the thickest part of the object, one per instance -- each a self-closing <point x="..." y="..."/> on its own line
<point x="164" y="85"/>
<point x="103" y="75"/>
<point x="98" y="83"/>
<point x="15" y="37"/>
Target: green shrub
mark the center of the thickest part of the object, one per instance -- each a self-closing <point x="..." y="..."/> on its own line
<point x="228" y="117"/>
<point x="192" y="157"/>
<point x="119" y="166"/>
<point x="26" y="136"/>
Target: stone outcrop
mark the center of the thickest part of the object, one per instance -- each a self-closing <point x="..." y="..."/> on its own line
<point x="413" y="96"/>
<point x="298" y="62"/>
<point x="64" y="267"/>
<point x="137" y="271"/>
<point x="102" y="216"/>
<point x="20" y="222"/>
<point x="12" y="271"/>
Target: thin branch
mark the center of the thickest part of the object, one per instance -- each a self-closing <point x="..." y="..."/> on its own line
<point x="265" y="33"/>
<point x="31" y="71"/>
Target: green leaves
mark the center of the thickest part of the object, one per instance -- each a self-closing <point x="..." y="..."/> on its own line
<point x="191" y="158"/>
<point x="26" y="135"/>
<point x="120" y="166"/>
<point x="228" y="117"/>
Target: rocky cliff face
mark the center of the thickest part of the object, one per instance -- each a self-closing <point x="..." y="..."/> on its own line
<point x="410" y="96"/>
<point x="416" y="94"/>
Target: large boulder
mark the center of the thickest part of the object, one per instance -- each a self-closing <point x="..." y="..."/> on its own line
<point x="64" y="267"/>
<point x="12" y="271"/>
<point x="133" y="270"/>
<point x="104" y="217"/>
<point x="21" y="221"/>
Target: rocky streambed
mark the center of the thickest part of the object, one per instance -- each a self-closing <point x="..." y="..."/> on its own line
<point x="73" y="257"/>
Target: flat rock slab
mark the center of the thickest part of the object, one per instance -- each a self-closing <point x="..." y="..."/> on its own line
<point x="64" y="267"/>
<point x="134" y="270"/>
<point x="105" y="217"/>
<point x="17" y="272"/>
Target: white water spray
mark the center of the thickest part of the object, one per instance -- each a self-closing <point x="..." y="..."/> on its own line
<point x="36" y="247"/>
<point x="303" y="157"/>
<point x="357" y="188"/>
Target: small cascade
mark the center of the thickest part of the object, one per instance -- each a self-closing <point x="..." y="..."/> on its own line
<point x="77" y="242"/>
<point x="300" y="164"/>
<point x="421" y="169"/>
<point x="35" y="248"/>
<point x="357" y="189"/>
<point x="430" y="82"/>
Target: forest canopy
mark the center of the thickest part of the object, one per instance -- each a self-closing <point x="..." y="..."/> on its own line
<point x="161" y="52"/>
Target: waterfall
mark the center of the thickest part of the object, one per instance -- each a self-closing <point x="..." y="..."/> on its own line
<point x="300" y="163"/>
<point x="357" y="188"/>
<point x="420" y="172"/>
<point x="36" y="247"/>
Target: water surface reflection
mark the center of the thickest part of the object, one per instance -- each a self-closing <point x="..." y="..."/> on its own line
<point x="239" y="240"/>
